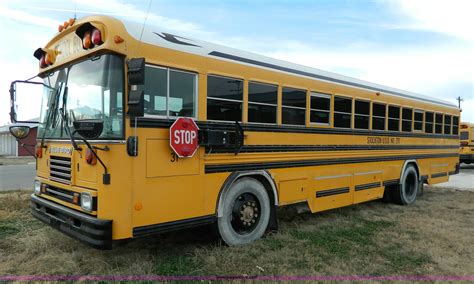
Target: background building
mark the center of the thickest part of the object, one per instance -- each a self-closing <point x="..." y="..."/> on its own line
<point x="9" y="146"/>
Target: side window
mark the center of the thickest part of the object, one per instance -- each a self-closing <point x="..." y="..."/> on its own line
<point x="320" y="108"/>
<point x="393" y="118"/>
<point x="447" y="124"/>
<point x="224" y="98"/>
<point x="439" y="123"/>
<point x="407" y="119"/>
<point x="171" y="98"/>
<point x="293" y="106"/>
<point x="155" y="90"/>
<point x="455" y="125"/>
<point x="429" y="122"/>
<point x="378" y="116"/>
<point x="362" y="114"/>
<point x="342" y="112"/>
<point x="418" y="124"/>
<point x="263" y="101"/>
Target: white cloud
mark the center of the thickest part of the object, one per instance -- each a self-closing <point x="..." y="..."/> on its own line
<point x="452" y="17"/>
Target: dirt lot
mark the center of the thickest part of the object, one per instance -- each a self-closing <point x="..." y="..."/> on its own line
<point x="432" y="237"/>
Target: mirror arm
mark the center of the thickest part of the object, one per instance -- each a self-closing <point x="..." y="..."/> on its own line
<point x="106" y="175"/>
<point x="26" y="148"/>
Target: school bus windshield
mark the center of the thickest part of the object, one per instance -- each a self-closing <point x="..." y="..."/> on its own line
<point x="91" y="89"/>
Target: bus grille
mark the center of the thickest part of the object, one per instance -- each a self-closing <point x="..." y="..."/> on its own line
<point x="60" y="169"/>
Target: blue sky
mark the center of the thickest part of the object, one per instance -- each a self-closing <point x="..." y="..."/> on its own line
<point x="424" y="46"/>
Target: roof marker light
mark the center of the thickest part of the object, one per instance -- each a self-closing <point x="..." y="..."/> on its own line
<point x="96" y="37"/>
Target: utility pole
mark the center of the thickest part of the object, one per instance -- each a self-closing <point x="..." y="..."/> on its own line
<point x="459" y="99"/>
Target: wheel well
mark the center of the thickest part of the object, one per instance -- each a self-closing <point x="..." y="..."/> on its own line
<point x="267" y="181"/>
<point x="415" y="164"/>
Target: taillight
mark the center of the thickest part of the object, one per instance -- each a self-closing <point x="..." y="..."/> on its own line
<point x="96" y="37"/>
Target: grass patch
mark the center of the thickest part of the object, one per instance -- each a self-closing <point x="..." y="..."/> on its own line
<point x="369" y="239"/>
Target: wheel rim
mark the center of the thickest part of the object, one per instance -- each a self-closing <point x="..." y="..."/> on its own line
<point x="245" y="213"/>
<point x="410" y="186"/>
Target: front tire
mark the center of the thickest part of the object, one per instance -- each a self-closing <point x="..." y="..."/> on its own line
<point x="246" y="212"/>
<point x="406" y="192"/>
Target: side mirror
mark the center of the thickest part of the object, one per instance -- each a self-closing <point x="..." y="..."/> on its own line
<point x="136" y="71"/>
<point x="20" y="131"/>
<point x="25" y="97"/>
<point x="89" y="128"/>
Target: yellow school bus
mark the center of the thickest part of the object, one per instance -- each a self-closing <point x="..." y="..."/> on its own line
<point x="467" y="143"/>
<point x="270" y="133"/>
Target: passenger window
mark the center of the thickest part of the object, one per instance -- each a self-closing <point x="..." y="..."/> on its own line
<point x="429" y="122"/>
<point x="342" y="112"/>
<point x="418" y="125"/>
<point x="362" y="114"/>
<point x="378" y="116"/>
<point x="455" y="125"/>
<point x="320" y="108"/>
<point x="263" y="102"/>
<point x="439" y="123"/>
<point x="224" y="98"/>
<point x="170" y="98"/>
<point x="447" y="124"/>
<point x="293" y="106"/>
<point x="407" y="119"/>
<point x="393" y="118"/>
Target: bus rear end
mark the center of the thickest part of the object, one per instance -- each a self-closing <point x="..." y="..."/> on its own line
<point x="466" y="154"/>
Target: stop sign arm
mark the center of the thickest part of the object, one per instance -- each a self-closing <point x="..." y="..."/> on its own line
<point x="232" y="138"/>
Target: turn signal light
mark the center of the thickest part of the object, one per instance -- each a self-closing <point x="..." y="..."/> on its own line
<point x="90" y="157"/>
<point x="86" y="40"/>
<point x="38" y="151"/>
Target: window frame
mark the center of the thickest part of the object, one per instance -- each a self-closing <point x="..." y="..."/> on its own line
<point x="366" y="115"/>
<point x="196" y="91"/>
<point x="436" y="123"/>
<point x="399" y="117"/>
<point x="264" y="104"/>
<point x="351" y="114"/>
<point x="411" y="120"/>
<point x="415" y="111"/>
<point x="228" y="100"/>
<point x="445" y="116"/>
<point x="293" y="107"/>
<point x="320" y="95"/>
<point x="385" y="118"/>
<point x="432" y="122"/>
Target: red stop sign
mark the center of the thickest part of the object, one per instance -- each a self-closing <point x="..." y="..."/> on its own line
<point x="184" y="137"/>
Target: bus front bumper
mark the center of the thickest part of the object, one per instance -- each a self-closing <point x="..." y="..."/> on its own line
<point x="92" y="231"/>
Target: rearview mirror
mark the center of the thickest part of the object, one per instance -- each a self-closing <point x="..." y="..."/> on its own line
<point x="136" y="71"/>
<point x="25" y="99"/>
<point x="19" y="131"/>
<point x="89" y="128"/>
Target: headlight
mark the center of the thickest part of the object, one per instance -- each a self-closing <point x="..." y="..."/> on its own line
<point x="86" y="201"/>
<point x="37" y="187"/>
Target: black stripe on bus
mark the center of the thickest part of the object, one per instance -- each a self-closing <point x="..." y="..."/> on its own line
<point x="321" y="162"/>
<point x="173" y="226"/>
<point x="439" y="175"/>
<point x="367" y="186"/>
<point x="330" y="192"/>
<point x="452" y="173"/>
<point x="424" y="178"/>
<point x="146" y="122"/>
<point x="391" y="182"/>
<point x="320" y="77"/>
<point x="309" y="148"/>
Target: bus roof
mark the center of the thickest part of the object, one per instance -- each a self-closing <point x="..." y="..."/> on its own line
<point x="159" y="37"/>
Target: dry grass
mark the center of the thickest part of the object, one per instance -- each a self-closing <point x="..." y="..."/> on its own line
<point x="432" y="237"/>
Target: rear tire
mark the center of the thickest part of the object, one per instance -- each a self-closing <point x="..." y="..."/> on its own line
<point x="246" y="212"/>
<point x="406" y="192"/>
